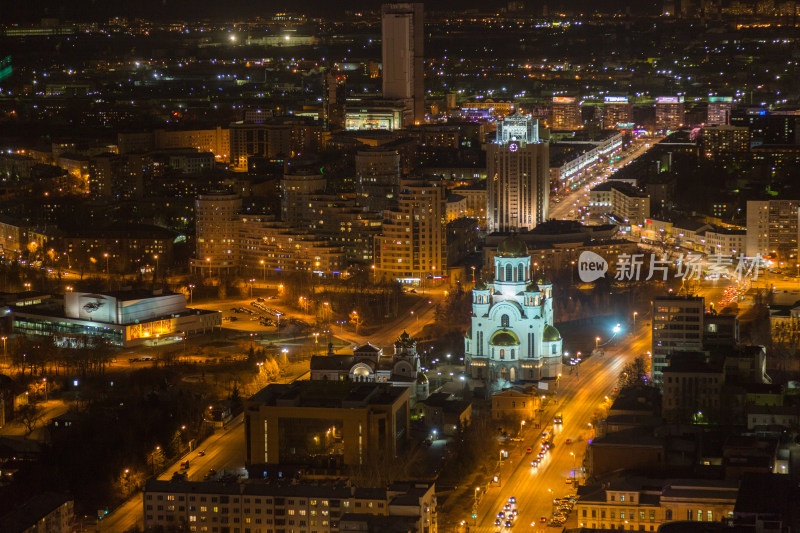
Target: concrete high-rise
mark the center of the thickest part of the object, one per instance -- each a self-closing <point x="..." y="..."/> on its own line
<point x="216" y="227"/>
<point x="772" y="229"/>
<point x="301" y="178"/>
<point x="518" y="177"/>
<point x="677" y="326"/>
<point x="566" y="113"/>
<point x="403" y="31"/>
<point x="413" y="244"/>
<point x="378" y="177"/>
<point x="719" y="110"/>
<point x="670" y="113"/>
<point x="616" y="110"/>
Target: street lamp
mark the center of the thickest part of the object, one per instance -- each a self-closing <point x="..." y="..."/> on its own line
<point x="596" y="342"/>
<point x="473" y="274"/>
<point x="251" y="287"/>
<point x="4" y="346"/>
<point x="155" y="256"/>
<point x="634" y="320"/>
<point x="106" y="256"/>
<point x="264" y="269"/>
<point x="191" y="291"/>
<point x="412" y="314"/>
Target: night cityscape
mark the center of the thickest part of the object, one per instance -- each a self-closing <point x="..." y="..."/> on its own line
<point x="360" y="267"/>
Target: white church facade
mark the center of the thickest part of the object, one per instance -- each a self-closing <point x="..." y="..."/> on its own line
<point x="512" y="337"/>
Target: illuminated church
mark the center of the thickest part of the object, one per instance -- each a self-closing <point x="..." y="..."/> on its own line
<point x="512" y="336"/>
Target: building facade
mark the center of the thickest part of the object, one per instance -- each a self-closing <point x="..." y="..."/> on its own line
<point x="619" y="200"/>
<point x="566" y="113"/>
<point x="412" y="247"/>
<point x="512" y="337"/>
<point x="677" y="326"/>
<point x="670" y="114"/>
<point x="378" y="177"/>
<point x="518" y="178"/>
<point x="772" y="229"/>
<point x="719" y="110"/>
<point x="325" y="424"/>
<point x="617" y="111"/>
<point x="258" y="506"/>
<point x="216" y="229"/>
<point x="403" y="32"/>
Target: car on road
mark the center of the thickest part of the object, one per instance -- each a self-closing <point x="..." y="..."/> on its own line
<point x="509" y="523"/>
<point x="542" y="519"/>
<point x="201" y="453"/>
<point x="535" y="463"/>
<point x="529" y="450"/>
<point x="512" y="499"/>
<point x="568" y="441"/>
<point x="498" y="522"/>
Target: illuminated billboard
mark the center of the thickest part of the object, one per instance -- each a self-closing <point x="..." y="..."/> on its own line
<point x="564" y="99"/>
<point x="723" y="99"/>
<point x="616" y="99"/>
<point x="669" y="99"/>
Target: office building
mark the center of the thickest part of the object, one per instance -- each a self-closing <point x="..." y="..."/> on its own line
<point x="719" y="110"/>
<point x="638" y="504"/>
<point x="617" y="112"/>
<point x="260" y="506"/>
<point x="301" y="178"/>
<point x="403" y="33"/>
<point x="566" y="113"/>
<point x="518" y="178"/>
<point x="772" y="229"/>
<point x="216" y="229"/>
<point x="120" y="318"/>
<point x="343" y="222"/>
<point x="412" y="247"/>
<point x="377" y="115"/>
<point x="512" y="337"/>
<point x="723" y="140"/>
<point x="620" y="201"/>
<point x="677" y="326"/>
<point x="378" y="177"/>
<point x="670" y="114"/>
<point x="326" y="424"/>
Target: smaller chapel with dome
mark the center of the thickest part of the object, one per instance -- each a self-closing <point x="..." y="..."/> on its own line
<point x="512" y="336"/>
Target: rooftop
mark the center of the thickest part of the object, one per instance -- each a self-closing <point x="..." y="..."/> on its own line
<point x="328" y="394"/>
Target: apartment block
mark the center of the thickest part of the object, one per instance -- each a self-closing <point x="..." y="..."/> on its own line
<point x="260" y="506"/>
<point x="772" y="228"/>
<point x="620" y="201"/>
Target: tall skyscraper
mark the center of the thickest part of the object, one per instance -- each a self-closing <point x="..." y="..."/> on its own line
<point x="413" y="245"/>
<point x="403" y="29"/>
<point x="216" y="227"/>
<point x="518" y="178"/>
<point x="334" y="99"/>
<point x="773" y="229"/>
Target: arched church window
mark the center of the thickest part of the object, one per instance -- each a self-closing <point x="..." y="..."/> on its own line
<point x="520" y="273"/>
<point x="502" y="353"/>
<point x="509" y="273"/>
<point x="504" y="321"/>
<point x="512" y="353"/>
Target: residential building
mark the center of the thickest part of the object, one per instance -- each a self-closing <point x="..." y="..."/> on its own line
<point x="344" y="223"/>
<point x="617" y="112"/>
<point x="670" y="114"/>
<point x="216" y="230"/>
<point x="403" y="40"/>
<point x="325" y="424"/>
<point x="270" y="141"/>
<point x="566" y="113"/>
<point x="677" y="326"/>
<point x="334" y="98"/>
<point x="722" y="140"/>
<point x="413" y="245"/>
<point x="47" y="512"/>
<point x="378" y="177"/>
<point x="772" y="229"/>
<point x="302" y="177"/>
<point x="640" y="504"/>
<point x="511" y="336"/>
<point x="626" y="449"/>
<point x="261" y="506"/>
<point x="620" y="201"/>
<point x="518" y="181"/>
<point x="725" y="241"/>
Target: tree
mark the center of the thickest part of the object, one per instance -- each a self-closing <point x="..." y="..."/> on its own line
<point x="30" y="415"/>
<point x="635" y="373"/>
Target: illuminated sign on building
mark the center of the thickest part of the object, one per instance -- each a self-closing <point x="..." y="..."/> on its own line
<point x="616" y="99"/>
<point x="723" y="99"/>
<point x="564" y="99"/>
<point x="669" y="99"/>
